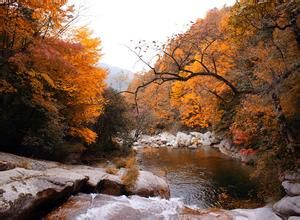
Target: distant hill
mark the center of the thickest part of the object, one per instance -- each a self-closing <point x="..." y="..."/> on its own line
<point x="117" y="78"/>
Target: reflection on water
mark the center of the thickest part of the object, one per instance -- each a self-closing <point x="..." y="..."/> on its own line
<point x="199" y="176"/>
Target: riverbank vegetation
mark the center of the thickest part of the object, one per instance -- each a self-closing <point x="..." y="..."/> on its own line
<point x="235" y="72"/>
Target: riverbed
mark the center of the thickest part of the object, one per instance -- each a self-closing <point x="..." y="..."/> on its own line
<point x="202" y="177"/>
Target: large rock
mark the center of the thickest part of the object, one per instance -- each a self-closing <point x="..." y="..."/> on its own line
<point x="288" y="206"/>
<point x="183" y="140"/>
<point x="167" y="139"/>
<point x="37" y="185"/>
<point x="26" y="192"/>
<point x="208" y="139"/>
<point x="27" y="163"/>
<point x="148" y="185"/>
<point x="291" y="188"/>
<point x="94" y="175"/>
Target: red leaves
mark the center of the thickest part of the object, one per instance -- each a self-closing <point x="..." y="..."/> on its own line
<point x="247" y="152"/>
<point x="240" y="137"/>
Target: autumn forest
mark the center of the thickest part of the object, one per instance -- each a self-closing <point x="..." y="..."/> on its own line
<point x="234" y="72"/>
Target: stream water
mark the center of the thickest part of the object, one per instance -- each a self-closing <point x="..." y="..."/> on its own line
<point x="201" y="177"/>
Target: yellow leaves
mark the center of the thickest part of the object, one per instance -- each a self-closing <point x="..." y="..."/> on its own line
<point x="48" y="79"/>
<point x="86" y="134"/>
<point x="197" y="107"/>
<point x="91" y="53"/>
<point x="192" y="113"/>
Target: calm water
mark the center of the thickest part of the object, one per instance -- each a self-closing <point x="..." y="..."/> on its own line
<point x="201" y="177"/>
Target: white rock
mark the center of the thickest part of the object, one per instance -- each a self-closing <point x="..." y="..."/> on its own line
<point x="291" y="188"/>
<point x="183" y="139"/>
<point x="224" y="146"/>
<point x="197" y="135"/>
<point x="207" y="138"/>
<point x="265" y="213"/>
<point x="288" y="206"/>
<point x="149" y="184"/>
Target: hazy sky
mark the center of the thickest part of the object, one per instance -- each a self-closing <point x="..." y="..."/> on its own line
<point x="117" y="22"/>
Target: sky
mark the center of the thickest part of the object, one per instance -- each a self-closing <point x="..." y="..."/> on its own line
<point x="121" y="23"/>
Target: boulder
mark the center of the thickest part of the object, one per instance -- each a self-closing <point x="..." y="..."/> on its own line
<point x="27" y="163"/>
<point x="196" y="135"/>
<point x="183" y="140"/>
<point x="26" y="192"/>
<point x="149" y="185"/>
<point x="94" y="175"/>
<point x="40" y="186"/>
<point x="288" y="206"/>
<point x="208" y="138"/>
<point x="291" y="188"/>
<point x="167" y="138"/>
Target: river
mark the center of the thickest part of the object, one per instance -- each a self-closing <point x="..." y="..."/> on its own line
<point x="202" y="177"/>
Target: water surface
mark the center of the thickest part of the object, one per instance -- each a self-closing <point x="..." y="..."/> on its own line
<point x="201" y="177"/>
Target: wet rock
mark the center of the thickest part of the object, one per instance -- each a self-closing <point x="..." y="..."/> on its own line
<point x="111" y="207"/>
<point x="288" y="206"/>
<point x="99" y="206"/>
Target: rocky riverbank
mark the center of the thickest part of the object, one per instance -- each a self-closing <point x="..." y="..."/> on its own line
<point x="194" y="140"/>
<point x="286" y="208"/>
<point x="29" y="187"/>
